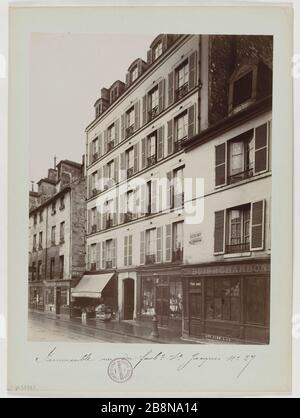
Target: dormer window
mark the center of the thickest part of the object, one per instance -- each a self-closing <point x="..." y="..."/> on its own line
<point x="134" y="74"/>
<point x="114" y="94"/>
<point x="242" y="89"/>
<point x="157" y="50"/>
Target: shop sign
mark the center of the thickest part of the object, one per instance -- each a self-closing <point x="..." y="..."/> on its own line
<point x="195" y="238"/>
<point x="254" y="268"/>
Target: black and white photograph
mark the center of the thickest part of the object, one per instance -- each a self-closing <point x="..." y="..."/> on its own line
<point x="150" y="192"/>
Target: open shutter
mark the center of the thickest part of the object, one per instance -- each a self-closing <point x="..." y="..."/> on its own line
<point x="89" y="186"/>
<point x="99" y="185"/>
<point x="90" y="153"/>
<point x="123" y="127"/>
<point x="88" y="258"/>
<point x="116" y="210"/>
<point x="261" y="149"/>
<point x="161" y="95"/>
<point x="160" y="143"/>
<point x="104" y="215"/>
<point x="143" y="199"/>
<point x="117" y="131"/>
<point x="145" y="110"/>
<point x="219" y="232"/>
<point x="123" y="174"/>
<point x="99" y="217"/>
<point x="191" y="120"/>
<point x="169" y="190"/>
<point x="122" y="207"/>
<point x="116" y="169"/>
<point x="98" y="250"/>
<point x="136" y="201"/>
<point x="100" y="145"/>
<point x="126" y="250"/>
<point x="103" y="258"/>
<point x="144" y="157"/>
<point x="257" y="225"/>
<point x="142" y="248"/>
<point x="136" y="115"/>
<point x="114" y="253"/>
<point x="170" y="137"/>
<point x="88" y="221"/>
<point x="159" y="244"/>
<point x="171" y="88"/>
<point x="130" y="250"/>
<point x="154" y="196"/>
<point x="192" y="70"/>
<point x="168" y="242"/>
<point x="105" y="141"/>
<point x="220" y="164"/>
<point x="136" y="157"/>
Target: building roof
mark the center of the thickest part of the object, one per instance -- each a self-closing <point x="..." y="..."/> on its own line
<point x="69" y="162"/>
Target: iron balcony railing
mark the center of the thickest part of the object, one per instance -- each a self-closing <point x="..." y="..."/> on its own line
<point x="181" y="91"/>
<point x="177" y="255"/>
<point x="109" y="223"/>
<point x="152" y="113"/>
<point x="243" y="175"/>
<point x="93" y="266"/>
<point x="110" y="145"/>
<point x="129" y="130"/>
<point x="178" y="144"/>
<point x="128" y="216"/>
<point x="93" y="228"/>
<point x="108" y="264"/>
<point x="238" y="248"/>
<point x="150" y="259"/>
<point x="130" y="172"/>
<point x="95" y="156"/>
<point x="151" y="160"/>
<point x="178" y="200"/>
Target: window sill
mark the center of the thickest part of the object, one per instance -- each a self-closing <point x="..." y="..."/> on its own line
<point x="236" y="255"/>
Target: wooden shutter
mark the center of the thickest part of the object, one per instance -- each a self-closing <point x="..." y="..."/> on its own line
<point x="145" y="110"/>
<point x="191" y="121"/>
<point x="116" y="169"/>
<point x="90" y="153"/>
<point x="122" y="207"/>
<point x="154" y="196"/>
<point x="104" y="213"/>
<point x="126" y="250"/>
<point x="219" y="232"/>
<point x="117" y="131"/>
<point x="105" y="141"/>
<point x="220" y="164"/>
<point x="123" y="174"/>
<point x="136" y="157"/>
<point x="130" y="250"/>
<point x="137" y="115"/>
<point x="170" y="137"/>
<point x="89" y="186"/>
<point x="169" y="190"/>
<point x="159" y="244"/>
<point x="168" y="242"/>
<point x="114" y="253"/>
<point x="104" y="176"/>
<point x="99" y="185"/>
<point x="98" y="251"/>
<point x="116" y="210"/>
<point x="100" y="150"/>
<point x="99" y="217"/>
<point x="123" y="127"/>
<point x="261" y="149"/>
<point x="161" y="95"/>
<point x="88" y="258"/>
<point x="192" y="70"/>
<point x="88" y="221"/>
<point x="171" y="88"/>
<point x="143" y="199"/>
<point x="136" y="196"/>
<point x="103" y="258"/>
<point x="144" y="157"/>
<point x="257" y="225"/>
<point x="142" y="247"/>
<point x="160" y="143"/>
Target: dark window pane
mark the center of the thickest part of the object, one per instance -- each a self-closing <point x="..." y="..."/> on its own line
<point x="255" y="295"/>
<point x="242" y="89"/>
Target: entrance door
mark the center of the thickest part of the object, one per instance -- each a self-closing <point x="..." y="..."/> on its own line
<point x="128" y="298"/>
<point x="162" y="304"/>
<point x="195" y="302"/>
<point x="58" y="300"/>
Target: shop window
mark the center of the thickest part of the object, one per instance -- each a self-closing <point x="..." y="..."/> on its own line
<point x="64" y="298"/>
<point x="175" y="299"/>
<point x="255" y="301"/>
<point x="222" y="299"/>
<point x="147" y="296"/>
<point x="61" y="266"/>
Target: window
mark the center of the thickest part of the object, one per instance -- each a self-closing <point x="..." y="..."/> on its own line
<point x="181" y="80"/>
<point x="62" y="203"/>
<point x="238" y="230"/>
<point x="95" y="149"/>
<point x="94" y="220"/>
<point x="150" y="246"/>
<point x="41" y="216"/>
<point x="93" y="257"/>
<point x="62" y="233"/>
<point x="111" y="137"/>
<point x="181" y="130"/>
<point x="52" y="265"/>
<point x="151" y="149"/>
<point x="129" y="161"/>
<point x="35" y="219"/>
<point x="157" y="50"/>
<point x="134" y="74"/>
<point x="109" y="213"/>
<point x="177" y="241"/>
<point x="110" y="173"/>
<point x="53" y="229"/>
<point x="130" y="121"/>
<point x="40" y="240"/>
<point x="61" y="266"/>
<point x="33" y="271"/>
<point x="148" y="197"/>
<point x="178" y="188"/>
<point x="153" y="98"/>
<point x="34" y="243"/>
<point x="109" y="248"/>
<point x="242" y="89"/>
<point x="222" y="299"/>
<point x="129" y="206"/>
<point x="241" y="157"/>
<point x="128" y="250"/>
<point x="39" y="272"/>
<point x="53" y="208"/>
<point x="147" y="296"/>
<point x="114" y="94"/>
<point x="175" y="298"/>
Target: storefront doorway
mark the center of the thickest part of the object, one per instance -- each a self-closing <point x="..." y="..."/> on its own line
<point x="58" y="300"/>
<point x="128" y="298"/>
<point x="162" y="303"/>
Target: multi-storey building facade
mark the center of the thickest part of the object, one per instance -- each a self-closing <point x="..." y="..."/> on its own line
<point x="174" y="119"/>
<point x="56" y="237"/>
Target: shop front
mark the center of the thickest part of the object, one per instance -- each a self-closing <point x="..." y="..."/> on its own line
<point x="36" y="296"/>
<point x="227" y="302"/>
<point x="95" y="295"/>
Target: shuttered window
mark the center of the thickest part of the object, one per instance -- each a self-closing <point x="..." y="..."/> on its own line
<point x="136" y="115"/>
<point x="161" y="95"/>
<point x="136" y="157"/>
<point x="191" y="121"/>
<point x="219" y="232"/>
<point x="220" y="167"/>
<point x="257" y="225"/>
<point x="159" y="244"/>
<point x="171" y="88"/>
<point x="168" y="242"/>
<point x="192" y="70"/>
<point x="160" y="143"/>
<point x="144" y="155"/>
<point x="170" y="137"/>
<point x="142" y="247"/>
<point x="261" y="149"/>
<point x="145" y="109"/>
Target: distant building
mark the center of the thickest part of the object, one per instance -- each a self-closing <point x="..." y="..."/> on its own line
<point x="199" y="107"/>
<point x="56" y="237"/>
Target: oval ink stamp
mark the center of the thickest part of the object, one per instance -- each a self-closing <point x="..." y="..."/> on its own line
<point x="120" y="370"/>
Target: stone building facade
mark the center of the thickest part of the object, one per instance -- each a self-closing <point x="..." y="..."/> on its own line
<point x="56" y="237"/>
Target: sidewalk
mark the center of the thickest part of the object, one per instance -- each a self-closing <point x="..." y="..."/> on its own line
<point x="140" y="330"/>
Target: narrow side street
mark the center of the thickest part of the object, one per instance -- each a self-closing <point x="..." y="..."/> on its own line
<point x="42" y="328"/>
